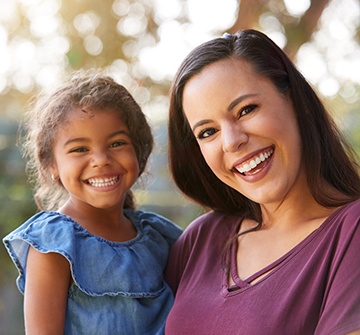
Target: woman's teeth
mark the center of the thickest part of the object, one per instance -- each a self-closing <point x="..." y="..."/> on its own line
<point x="254" y="162"/>
<point x="102" y="182"/>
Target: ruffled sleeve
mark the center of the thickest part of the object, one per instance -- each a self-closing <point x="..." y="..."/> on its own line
<point x="98" y="266"/>
<point x="163" y="226"/>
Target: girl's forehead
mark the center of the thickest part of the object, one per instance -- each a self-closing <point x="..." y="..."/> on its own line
<point x="78" y="112"/>
<point x="78" y="119"/>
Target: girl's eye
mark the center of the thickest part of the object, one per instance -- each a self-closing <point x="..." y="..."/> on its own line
<point x="247" y="110"/>
<point x="206" y="133"/>
<point x="79" y="150"/>
<point x="117" y="144"/>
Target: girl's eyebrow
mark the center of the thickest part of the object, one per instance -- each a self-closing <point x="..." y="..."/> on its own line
<point x="75" y="140"/>
<point x="119" y="132"/>
<point x="85" y="139"/>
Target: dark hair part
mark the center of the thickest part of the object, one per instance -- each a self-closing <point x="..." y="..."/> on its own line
<point x="327" y="156"/>
<point x="86" y="90"/>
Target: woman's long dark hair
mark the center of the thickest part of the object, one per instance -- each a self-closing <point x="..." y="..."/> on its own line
<point x="327" y="156"/>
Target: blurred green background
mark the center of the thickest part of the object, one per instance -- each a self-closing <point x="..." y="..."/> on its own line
<point x="141" y="43"/>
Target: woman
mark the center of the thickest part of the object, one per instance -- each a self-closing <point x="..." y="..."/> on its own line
<point x="279" y="251"/>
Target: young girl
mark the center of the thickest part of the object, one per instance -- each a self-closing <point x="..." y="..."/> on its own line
<point x="88" y="262"/>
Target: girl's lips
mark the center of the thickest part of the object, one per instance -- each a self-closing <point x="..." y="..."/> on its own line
<point x="254" y="164"/>
<point x="103" y="181"/>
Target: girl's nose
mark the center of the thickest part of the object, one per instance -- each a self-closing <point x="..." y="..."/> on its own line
<point x="100" y="159"/>
<point x="233" y="137"/>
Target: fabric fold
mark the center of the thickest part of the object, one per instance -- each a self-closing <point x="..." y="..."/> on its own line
<point x="143" y="257"/>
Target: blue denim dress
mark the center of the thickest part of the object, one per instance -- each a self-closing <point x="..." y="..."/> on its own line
<point x="118" y="286"/>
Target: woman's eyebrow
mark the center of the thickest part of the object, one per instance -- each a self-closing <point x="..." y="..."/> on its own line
<point x="232" y="105"/>
<point x="199" y="124"/>
<point x="238" y="100"/>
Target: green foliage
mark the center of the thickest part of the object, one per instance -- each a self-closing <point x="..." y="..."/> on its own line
<point x="98" y="34"/>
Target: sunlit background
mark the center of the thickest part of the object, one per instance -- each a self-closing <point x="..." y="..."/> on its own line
<point x="141" y="43"/>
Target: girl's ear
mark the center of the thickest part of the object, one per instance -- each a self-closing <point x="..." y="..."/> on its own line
<point x="54" y="173"/>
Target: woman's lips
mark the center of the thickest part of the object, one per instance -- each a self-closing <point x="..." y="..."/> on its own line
<point x="254" y="164"/>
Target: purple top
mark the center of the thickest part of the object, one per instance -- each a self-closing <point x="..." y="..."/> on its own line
<point x="313" y="289"/>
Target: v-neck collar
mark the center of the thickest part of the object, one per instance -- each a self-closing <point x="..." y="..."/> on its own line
<point x="243" y="284"/>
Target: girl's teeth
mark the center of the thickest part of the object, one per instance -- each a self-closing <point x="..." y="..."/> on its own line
<point x="102" y="182"/>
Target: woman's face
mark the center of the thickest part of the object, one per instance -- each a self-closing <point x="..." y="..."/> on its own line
<point x="246" y="130"/>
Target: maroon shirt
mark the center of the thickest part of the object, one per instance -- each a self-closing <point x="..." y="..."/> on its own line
<point x="313" y="289"/>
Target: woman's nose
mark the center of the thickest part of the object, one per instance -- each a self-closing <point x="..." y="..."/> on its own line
<point x="100" y="159"/>
<point x="233" y="137"/>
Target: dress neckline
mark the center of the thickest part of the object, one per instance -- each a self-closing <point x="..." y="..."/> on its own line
<point x="243" y="284"/>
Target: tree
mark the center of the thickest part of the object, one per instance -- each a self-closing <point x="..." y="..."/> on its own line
<point x="297" y="30"/>
<point x="42" y="39"/>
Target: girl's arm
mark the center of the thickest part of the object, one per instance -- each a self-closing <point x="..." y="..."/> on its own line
<point x="46" y="290"/>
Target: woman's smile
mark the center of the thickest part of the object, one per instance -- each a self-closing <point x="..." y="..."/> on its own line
<point x="246" y="130"/>
<point x="255" y="164"/>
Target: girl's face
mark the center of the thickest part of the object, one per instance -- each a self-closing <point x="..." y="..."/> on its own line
<point x="95" y="158"/>
<point x="246" y="130"/>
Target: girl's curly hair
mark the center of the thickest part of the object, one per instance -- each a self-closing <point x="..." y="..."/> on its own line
<point x="47" y="113"/>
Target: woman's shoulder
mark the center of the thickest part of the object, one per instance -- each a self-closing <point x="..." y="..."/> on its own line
<point x="348" y="213"/>
<point x="353" y="206"/>
<point x="344" y="223"/>
<point x="212" y="223"/>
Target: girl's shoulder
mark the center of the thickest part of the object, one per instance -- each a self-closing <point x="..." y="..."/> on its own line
<point x="49" y="227"/>
<point x="146" y="221"/>
<point x="44" y="227"/>
<point x="92" y="256"/>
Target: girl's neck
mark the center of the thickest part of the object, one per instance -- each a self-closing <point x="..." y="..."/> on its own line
<point x="110" y="224"/>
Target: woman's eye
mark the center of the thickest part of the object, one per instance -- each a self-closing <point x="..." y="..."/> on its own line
<point x="206" y="133"/>
<point x="247" y="110"/>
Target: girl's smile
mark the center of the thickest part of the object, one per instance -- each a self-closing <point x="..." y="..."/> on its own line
<point x="95" y="158"/>
<point x="102" y="182"/>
